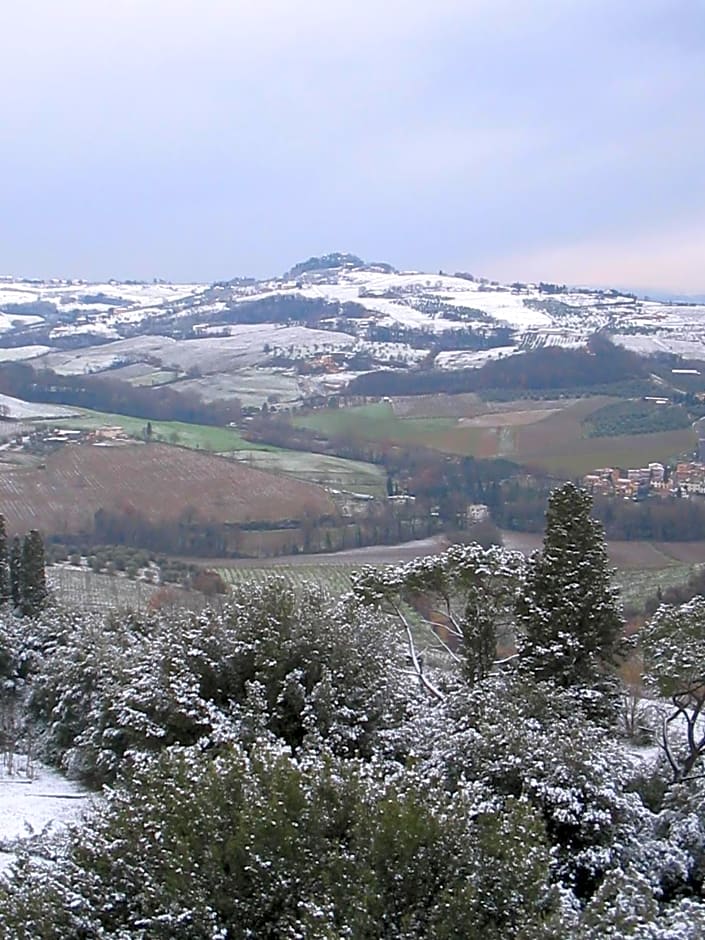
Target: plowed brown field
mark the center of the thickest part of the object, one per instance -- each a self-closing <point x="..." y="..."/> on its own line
<point x="157" y="481"/>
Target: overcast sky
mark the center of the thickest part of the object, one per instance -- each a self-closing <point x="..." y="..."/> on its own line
<point x="560" y="140"/>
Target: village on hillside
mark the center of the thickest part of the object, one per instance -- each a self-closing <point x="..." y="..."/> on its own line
<point x="655" y="479"/>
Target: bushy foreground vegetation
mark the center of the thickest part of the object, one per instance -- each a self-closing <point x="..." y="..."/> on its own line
<point x="290" y="767"/>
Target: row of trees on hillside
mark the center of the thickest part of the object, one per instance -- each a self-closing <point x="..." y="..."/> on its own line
<point x="636" y="417"/>
<point x="550" y="368"/>
<point x="104" y="392"/>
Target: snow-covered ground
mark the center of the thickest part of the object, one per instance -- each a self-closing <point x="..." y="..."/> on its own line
<point x="19" y="353"/>
<point x="35" y="800"/>
<point x="468" y="359"/>
<point x="20" y="410"/>
<point x="690" y="346"/>
<point x="412" y="300"/>
<point x="93" y="297"/>
<point x="8" y="321"/>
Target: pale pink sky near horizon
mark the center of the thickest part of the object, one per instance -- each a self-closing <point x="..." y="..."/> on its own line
<point x="560" y="140"/>
<point x="654" y="260"/>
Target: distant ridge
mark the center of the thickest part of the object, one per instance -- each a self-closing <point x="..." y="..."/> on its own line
<point x="337" y="259"/>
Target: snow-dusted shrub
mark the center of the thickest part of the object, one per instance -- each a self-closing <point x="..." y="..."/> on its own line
<point x="512" y="738"/>
<point x="293" y="665"/>
<point x="256" y="844"/>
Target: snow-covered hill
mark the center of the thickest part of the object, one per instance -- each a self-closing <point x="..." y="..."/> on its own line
<point x="350" y="316"/>
<point x="409" y="300"/>
<point x="18" y="410"/>
<point x="81" y="299"/>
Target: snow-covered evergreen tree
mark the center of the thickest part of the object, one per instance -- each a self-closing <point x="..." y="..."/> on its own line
<point x="274" y="772"/>
<point x="468" y="592"/>
<point x="571" y="618"/>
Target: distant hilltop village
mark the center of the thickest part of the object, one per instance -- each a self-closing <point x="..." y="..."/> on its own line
<point x="685" y="479"/>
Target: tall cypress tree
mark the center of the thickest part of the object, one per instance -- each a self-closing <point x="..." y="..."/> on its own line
<point x="16" y="571"/>
<point x="5" y="591"/>
<point x="33" y="586"/>
<point x="571" y="618"/>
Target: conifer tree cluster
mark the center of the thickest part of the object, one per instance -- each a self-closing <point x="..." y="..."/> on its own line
<point x="22" y="572"/>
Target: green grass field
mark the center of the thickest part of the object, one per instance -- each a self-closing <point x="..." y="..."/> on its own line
<point x="577" y="456"/>
<point x="195" y="436"/>
<point x="373" y="422"/>
<point x="332" y="472"/>
<point x="554" y="444"/>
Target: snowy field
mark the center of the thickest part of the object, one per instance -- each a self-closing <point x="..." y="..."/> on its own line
<point x="251" y="386"/>
<point x="35" y="801"/>
<point x="415" y="300"/>
<point x="9" y="321"/>
<point x="468" y="359"/>
<point x="337" y="472"/>
<point x="20" y="410"/>
<point x="93" y="297"/>
<point x="691" y="346"/>
<point x="20" y="353"/>
<point x="248" y="345"/>
<point x="242" y="364"/>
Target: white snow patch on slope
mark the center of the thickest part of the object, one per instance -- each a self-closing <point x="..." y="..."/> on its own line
<point x="77" y="294"/>
<point x="690" y="347"/>
<point x="508" y="308"/>
<point x="415" y="301"/>
<point x="94" y="328"/>
<point x="468" y="359"/>
<point x="403" y="298"/>
<point x="18" y="353"/>
<point x="18" y="409"/>
<point x="16" y="295"/>
<point x="244" y="346"/>
<point x="9" y="321"/>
